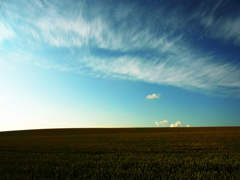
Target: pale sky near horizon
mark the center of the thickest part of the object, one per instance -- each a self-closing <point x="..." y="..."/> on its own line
<point x="106" y="63"/>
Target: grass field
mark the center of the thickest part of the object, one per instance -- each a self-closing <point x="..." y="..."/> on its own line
<point x="124" y="153"/>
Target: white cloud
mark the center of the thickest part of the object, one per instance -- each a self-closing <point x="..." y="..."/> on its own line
<point x="168" y="58"/>
<point x="188" y="125"/>
<point x="6" y="32"/>
<point x="164" y="122"/>
<point x="221" y="26"/>
<point x="153" y="96"/>
<point x="177" y="124"/>
<point x="199" y="74"/>
<point x="38" y="3"/>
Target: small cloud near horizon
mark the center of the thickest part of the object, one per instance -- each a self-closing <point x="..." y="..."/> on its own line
<point x="177" y="124"/>
<point x="153" y="96"/>
<point x="164" y="122"/>
<point x="188" y="125"/>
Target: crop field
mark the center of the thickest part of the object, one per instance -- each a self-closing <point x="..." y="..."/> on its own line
<point x="121" y="153"/>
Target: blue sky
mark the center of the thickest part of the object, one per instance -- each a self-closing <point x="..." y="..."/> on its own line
<point x="119" y="64"/>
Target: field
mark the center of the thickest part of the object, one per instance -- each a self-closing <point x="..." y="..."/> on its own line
<point x="124" y="153"/>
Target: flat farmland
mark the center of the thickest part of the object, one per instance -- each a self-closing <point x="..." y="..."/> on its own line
<point x="121" y="153"/>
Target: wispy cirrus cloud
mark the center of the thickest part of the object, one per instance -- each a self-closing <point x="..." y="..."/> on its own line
<point x="223" y="28"/>
<point x="196" y="75"/>
<point x="218" y="23"/>
<point x="123" y="44"/>
<point x="6" y="32"/>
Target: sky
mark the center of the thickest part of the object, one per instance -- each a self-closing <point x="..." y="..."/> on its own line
<point x="106" y="63"/>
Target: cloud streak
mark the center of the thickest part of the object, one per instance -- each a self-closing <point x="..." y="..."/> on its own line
<point x="121" y="44"/>
<point x="6" y="32"/>
<point x="218" y="24"/>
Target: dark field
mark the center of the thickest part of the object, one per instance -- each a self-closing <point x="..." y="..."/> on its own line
<point x="133" y="153"/>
